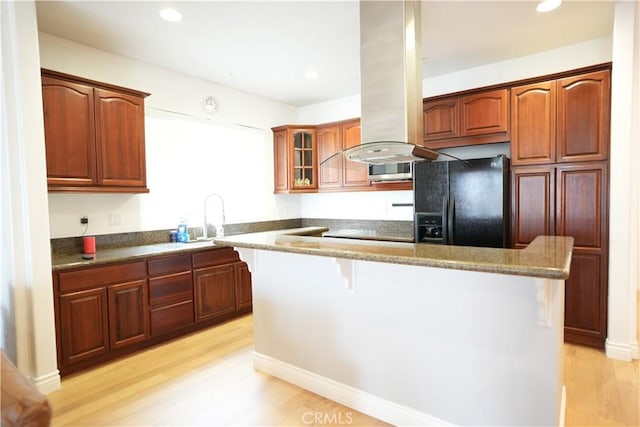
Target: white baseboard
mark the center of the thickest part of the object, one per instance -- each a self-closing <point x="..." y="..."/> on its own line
<point x="48" y="383"/>
<point x="563" y="407"/>
<point x="634" y="351"/>
<point x="346" y="395"/>
<point x="621" y="351"/>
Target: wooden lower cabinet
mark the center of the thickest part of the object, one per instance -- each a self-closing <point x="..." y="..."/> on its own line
<point x="128" y="319"/>
<point x="104" y="312"/>
<point x="83" y="326"/>
<point x="170" y="294"/>
<point x="581" y="212"/>
<point x="570" y="199"/>
<point x="222" y="284"/>
<point x="215" y="291"/>
<point x="585" y="316"/>
<point x="533" y="203"/>
<point x="244" y="296"/>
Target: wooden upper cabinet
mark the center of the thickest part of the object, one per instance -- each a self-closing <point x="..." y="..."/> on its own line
<point x="533" y="124"/>
<point x="303" y="162"/>
<point x="440" y="119"/>
<point x="295" y="155"/>
<point x="485" y="113"/>
<point x="560" y="121"/>
<point x="329" y="143"/>
<point x="584" y="104"/>
<point x="94" y="135"/>
<point x="355" y="174"/>
<point x="280" y="161"/>
<point x="120" y="139"/>
<point x="340" y="173"/>
<point x="70" y="147"/>
<point x="476" y="118"/>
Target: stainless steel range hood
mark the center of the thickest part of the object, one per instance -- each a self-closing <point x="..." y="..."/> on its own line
<point x="390" y="83"/>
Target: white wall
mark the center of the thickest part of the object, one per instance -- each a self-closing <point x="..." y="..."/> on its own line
<point x="27" y="324"/>
<point x="189" y="153"/>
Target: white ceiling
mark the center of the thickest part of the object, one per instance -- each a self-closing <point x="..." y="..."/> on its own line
<point x="265" y="47"/>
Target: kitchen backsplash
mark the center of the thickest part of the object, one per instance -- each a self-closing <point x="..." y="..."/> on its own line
<point x="68" y="245"/>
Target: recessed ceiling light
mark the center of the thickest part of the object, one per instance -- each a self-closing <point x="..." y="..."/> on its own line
<point x="311" y="74"/>
<point x="548" y="5"/>
<point x="170" y="14"/>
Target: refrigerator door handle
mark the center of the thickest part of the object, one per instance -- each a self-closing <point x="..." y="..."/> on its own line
<point x="445" y="215"/>
<point x="450" y="213"/>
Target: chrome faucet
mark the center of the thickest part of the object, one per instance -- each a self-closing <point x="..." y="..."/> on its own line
<point x="220" y="229"/>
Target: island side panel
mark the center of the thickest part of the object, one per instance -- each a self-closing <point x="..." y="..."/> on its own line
<point x="459" y="346"/>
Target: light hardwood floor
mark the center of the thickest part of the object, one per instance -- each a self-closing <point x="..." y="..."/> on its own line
<point x="207" y="379"/>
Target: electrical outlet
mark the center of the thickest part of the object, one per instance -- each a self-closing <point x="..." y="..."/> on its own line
<point x="84" y="220"/>
<point x="113" y="219"/>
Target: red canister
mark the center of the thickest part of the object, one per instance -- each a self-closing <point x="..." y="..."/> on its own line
<point x="89" y="244"/>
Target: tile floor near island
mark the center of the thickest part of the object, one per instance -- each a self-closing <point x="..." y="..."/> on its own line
<point x="207" y="379"/>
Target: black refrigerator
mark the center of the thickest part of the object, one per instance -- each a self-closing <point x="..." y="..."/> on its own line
<point x="462" y="202"/>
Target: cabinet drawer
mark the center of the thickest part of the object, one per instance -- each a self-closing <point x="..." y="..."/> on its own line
<point x="170" y="289"/>
<point x="168" y="265"/>
<point x="100" y="276"/>
<point x="215" y="257"/>
<point x="167" y="319"/>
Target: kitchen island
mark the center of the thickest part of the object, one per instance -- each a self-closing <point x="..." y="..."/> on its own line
<point x="413" y="333"/>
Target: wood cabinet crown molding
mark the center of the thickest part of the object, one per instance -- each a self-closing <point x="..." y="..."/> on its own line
<point x="93" y="83"/>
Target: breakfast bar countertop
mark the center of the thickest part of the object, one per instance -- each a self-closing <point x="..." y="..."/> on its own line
<point x="353" y="233"/>
<point x="546" y="257"/>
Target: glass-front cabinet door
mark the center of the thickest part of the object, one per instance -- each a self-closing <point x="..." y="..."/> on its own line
<point x="295" y="155"/>
<point x="303" y="154"/>
<point x="303" y="159"/>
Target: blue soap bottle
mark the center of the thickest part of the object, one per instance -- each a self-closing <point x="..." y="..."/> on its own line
<point x="183" y="232"/>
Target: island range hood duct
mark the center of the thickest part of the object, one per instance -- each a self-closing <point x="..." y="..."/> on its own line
<point x="391" y="84"/>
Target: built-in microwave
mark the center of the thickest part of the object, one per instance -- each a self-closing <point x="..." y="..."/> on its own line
<point x="391" y="171"/>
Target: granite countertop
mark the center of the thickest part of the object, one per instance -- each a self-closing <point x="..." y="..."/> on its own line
<point x="352" y="233"/>
<point x="131" y="253"/>
<point x="546" y="257"/>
